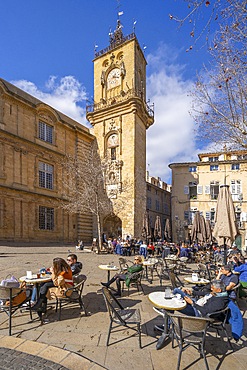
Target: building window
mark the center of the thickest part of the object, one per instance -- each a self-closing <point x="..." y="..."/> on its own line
<point x="235" y="166"/>
<point x="45" y="132"/>
<point x="149" y="202"/>
<point x="45" y="175"/>
<point x="236" y="189"/>
<point x="193" y="190"/>
<point x="46" y="218"/>
<point x="157" y="205"/>
<point x="214" y="167"/>
<point x="213" y="159"/>
<point x="242" y="156"/>
<point x="192" y="168"/>
<point x="149" y="187"/>
<point x="214" y="189"/>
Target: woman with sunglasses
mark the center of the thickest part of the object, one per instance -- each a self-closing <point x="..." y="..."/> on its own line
<point x="61" y="280"/>
<point x="137" y="267"/>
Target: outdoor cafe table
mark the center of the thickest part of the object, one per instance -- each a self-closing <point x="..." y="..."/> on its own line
<point x="36" y="281"/>
<point x="200" y="281"/>
<point x="108" y="268"/>
<point x="171" y="304"/>
<point x="149" y="263"/>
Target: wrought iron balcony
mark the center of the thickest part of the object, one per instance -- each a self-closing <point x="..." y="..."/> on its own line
<point x="123" y="96"/>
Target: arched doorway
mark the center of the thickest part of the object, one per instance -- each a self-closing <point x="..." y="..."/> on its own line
<point x="112" y="226"/>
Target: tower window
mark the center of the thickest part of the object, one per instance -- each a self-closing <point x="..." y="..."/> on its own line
<point x="113" y="154"/>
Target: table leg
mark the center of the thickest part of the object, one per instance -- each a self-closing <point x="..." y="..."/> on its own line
<point x="165" y="334"/>
<point x="108" y="275"/>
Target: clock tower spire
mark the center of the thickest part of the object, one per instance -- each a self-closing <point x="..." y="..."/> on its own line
<point x="120" y="117"/>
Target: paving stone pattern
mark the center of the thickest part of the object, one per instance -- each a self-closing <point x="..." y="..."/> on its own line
<point x="13" y="359"/>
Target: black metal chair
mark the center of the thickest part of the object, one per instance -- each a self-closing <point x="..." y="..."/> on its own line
<point x="12" y="300"/>
<point x="123" y="264"/>
<point x="128" y="318"/>
<point x="72" y="295"/>
<point x="175" y="281"/>
<point x="135" y="280"/>
<point x="189" y="331"/>
<point x="219" y="321"/>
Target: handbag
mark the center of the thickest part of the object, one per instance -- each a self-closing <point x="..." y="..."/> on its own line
<point x="11" y="282"/>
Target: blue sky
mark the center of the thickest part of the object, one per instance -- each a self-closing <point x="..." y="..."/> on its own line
<point x="47" y="48"/>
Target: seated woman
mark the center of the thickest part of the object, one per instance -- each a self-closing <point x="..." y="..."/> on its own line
<point x="61" y="280"/>
<point x="137" y="267"/>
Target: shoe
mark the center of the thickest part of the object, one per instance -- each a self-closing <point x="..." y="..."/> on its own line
<point x="105" y="284"/>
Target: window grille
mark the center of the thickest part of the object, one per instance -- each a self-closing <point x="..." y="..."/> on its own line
<point x="45" y="132"/>
<point x="46" y="218"/>
<point x="46" y="175"/>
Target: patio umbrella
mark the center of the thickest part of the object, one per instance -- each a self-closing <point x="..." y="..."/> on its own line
<point x="157" y="228"/>
<point x="196" y="228"/>
<point x="203" y="232"/>
<point x="225" y="229"/>
<point x="209" y="237"/>
<point x="146" y="227"/>
<point x="167" y="230"/>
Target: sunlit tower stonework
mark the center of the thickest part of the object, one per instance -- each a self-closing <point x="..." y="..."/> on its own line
<point x="120" y="117"/>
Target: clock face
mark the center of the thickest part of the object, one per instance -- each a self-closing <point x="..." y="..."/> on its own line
<point x="113" y="78"/>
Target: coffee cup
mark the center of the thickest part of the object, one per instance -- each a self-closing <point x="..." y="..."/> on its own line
<point x="29" y="275"/>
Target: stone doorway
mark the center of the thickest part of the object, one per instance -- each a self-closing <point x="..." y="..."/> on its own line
<point x="112" y="226"/>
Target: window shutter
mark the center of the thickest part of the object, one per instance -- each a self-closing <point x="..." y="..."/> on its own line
<point x="207" y="189"/>
<point x="199" y="189"/>
<point x="186" y="189"/>
<point x="207" y="216"/>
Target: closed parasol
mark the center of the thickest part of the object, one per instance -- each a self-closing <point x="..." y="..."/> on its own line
<point x="225" y="229"/>
<point x="208" y="232"/>
<point x="196" y="230"/>
<point x="157" y="228"/>
<point x="146" y="234"/>
<point x="167" y="230"/>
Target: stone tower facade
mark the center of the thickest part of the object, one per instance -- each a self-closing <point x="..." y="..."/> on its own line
<point x="120" y="117"/>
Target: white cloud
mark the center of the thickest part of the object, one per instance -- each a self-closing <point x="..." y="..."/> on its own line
<point x="172" y="137"/>
<point x="67" y="95"/>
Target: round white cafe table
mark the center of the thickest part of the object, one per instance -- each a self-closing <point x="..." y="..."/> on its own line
<point x="172" y="304"/>
<point x="108" y="268"/>
<point x="149" y="263"/>
<point x="200" y="281"/>
<point x="35" y="280"/>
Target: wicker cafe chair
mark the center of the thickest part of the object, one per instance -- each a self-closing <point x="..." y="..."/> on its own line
<point x="219" y="320"/>
<point x="8" y="294"/>
<point x="128" y="318"/>
<point x="189" y="331"/>
<point x="74" y="297"/>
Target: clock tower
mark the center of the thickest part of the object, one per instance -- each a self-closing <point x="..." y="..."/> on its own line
<point x="120" y="117"/>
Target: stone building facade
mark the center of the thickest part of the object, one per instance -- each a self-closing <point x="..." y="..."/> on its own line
<point x="34" y="139"/>
<point x="158" y="201"/>
<point x="195" y="187"/>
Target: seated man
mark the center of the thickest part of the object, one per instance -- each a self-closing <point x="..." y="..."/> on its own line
<point x="137" y="267"/>
<point x="216" y="300"/>
<point x="74" y="265"/>
<point x="229" y="279"/>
